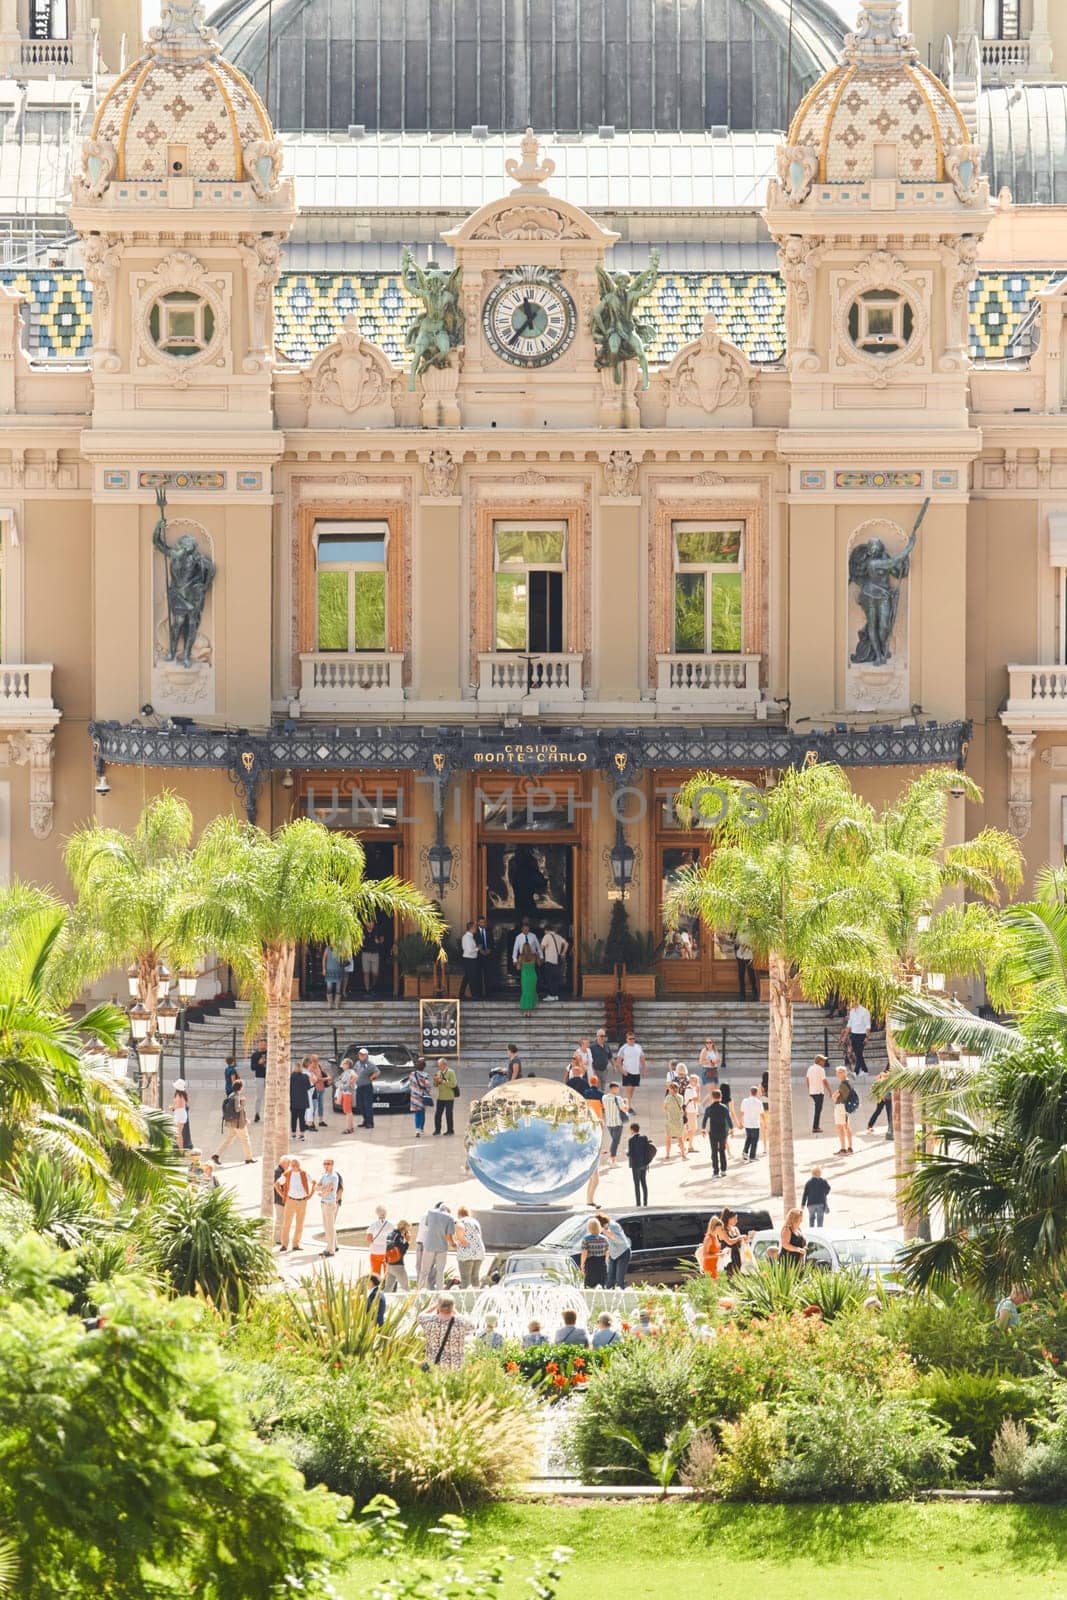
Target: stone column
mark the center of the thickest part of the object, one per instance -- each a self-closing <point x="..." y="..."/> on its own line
<point x="1040" y="41"/>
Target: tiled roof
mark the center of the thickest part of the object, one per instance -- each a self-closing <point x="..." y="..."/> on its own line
<point x="310" y="308"/>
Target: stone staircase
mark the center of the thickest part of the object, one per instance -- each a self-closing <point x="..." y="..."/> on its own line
<point x="546" y="1038"/>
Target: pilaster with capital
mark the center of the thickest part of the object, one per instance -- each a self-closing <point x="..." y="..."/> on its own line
<point x="34" y="749"/>
<point x="960" y="258"/>
<point x="1020" y="790"/>
<point x="262" y="256"/>
<point x="100" y="260"/>
<point x="799" y="259"/>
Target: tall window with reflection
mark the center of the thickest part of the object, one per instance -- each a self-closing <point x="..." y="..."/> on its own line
<point x="350" y="585"/>
<point x="708" y="592"/>
<point x="1000" y="19"/>
<point x="530" y="562"/>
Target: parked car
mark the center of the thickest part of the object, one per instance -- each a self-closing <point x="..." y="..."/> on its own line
<point x="395" y="1063"/>
<point x="875" y="1255"/>
<point x="538" y="1266"/>
<point x="664" y="1240"/>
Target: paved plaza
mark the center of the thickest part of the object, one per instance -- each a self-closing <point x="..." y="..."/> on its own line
<point x="389" y="1165"/>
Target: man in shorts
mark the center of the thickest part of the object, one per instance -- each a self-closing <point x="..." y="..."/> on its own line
<point x="631" y="1063"/>
<point x="843" y="1095"/>
<point x="370" y="958"/>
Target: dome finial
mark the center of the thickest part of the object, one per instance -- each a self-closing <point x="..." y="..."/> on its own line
<point x="879" y="39"/>
<point x="530" y="172"/>
<point x="182" y="30"/>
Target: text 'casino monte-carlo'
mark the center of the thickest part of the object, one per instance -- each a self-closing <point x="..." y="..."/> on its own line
<point x="464" y="422"/>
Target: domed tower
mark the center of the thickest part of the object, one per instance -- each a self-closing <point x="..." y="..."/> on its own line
<point x="877" y="213"/>
<point x="182" y="212"/>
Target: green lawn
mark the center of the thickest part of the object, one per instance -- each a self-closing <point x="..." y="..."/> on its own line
<point x="891" y="1552"/>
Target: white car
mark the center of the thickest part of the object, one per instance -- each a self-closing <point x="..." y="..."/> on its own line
<point x="875" y="1255"/>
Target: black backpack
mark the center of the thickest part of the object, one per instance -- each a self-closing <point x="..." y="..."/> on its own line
<point x="229" y="1108"/>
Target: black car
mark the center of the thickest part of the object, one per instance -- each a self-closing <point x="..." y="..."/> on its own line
<point x="395" y="1063"/>
<point x="664" y="1240"/>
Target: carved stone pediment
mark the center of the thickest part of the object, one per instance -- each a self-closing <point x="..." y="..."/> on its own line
<point x="352" y="375"/>
<point x="545" y="221"/>
<point x="708" y="376"/>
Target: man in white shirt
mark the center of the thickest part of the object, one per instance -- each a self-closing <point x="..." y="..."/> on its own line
<point x="329" y="1189"/>
<point x="554" y="948"/>
<point x="816" y="1080"/>
<point x="471" y="982"/>
<point x="751" y="1112"/>
<point x="631" y="1062"/>
<point x="524" y="937"/>
<point x="859" y="1026"/>
<point x="615" y="1119"/>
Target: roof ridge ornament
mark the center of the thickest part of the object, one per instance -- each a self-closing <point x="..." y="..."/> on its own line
<point x="878" y="39"/>
<point x="183" y="33"/>
<point x="530" y="173"/>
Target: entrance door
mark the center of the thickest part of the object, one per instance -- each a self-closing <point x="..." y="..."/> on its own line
<point x="370" y="977"/>
<point x="528" y="878"/>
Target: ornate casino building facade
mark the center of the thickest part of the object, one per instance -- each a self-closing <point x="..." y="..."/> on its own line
<point x="331" y="483"/>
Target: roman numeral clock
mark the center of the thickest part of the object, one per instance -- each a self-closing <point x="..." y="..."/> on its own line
<point x="529" y="319"/>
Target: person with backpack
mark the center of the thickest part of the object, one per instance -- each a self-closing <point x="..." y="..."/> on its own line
<point x="346" y="1083"/>
<point x="846" y="1101"/>
<point x="396" y="1249"/>
<point x="235" y="1123"/>
<point x="330" y="1189"/>
<point x="640" y="1154"/>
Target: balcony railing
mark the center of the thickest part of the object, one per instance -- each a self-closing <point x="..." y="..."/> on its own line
<point x="25" y="691"/>
<point x="49" y="53"/>
<point x="722" y="683"/>
<point x="504" y="676"/>
<point x="1037" y="696"/>
<point x="1004" y="59"/>
<point x="332" y="681"/>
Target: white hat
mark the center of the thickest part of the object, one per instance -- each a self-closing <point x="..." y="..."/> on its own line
<point x="179" y="1083"/>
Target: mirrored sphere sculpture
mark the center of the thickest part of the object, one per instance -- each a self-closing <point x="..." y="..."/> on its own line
<point x="533" y="1141"/>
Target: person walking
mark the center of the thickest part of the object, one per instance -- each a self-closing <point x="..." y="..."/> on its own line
<point x="815" y="1078"/>
<point x="378" y="1231"/>
<point x="674" y="1121"/>
<point x="846" y="1101"/>
<point x="709" y="1061"/>
<point x="746" y="971"/>
<point x="470" y="983"/>
<point x="525" y="939"/>
<point x="346" y="1083"/>
<point x="470" y="1248"/>
<point x="792" y="1245"/>
<point x="333" y="975"/>
<point x="329" y="1188"/>
<point x="718" y="1122"/>
<point x="179" y="1110"/>
<point x="632" y="1065"/>
<point x="527" y="979"/>
<point x="615" y="1116"/>
<point x="437" y="1236"/>
<point x="235" y="1124"/>
<point x="751" y="1119"/>
<point x="396" y="1248"/>
<point x="593" y="1260"/>
<point x="319" y="1085"/>
<point x="370" y="957"/>
<point x="600" y="1055"/>
<point x="229" y="1072"/>
<point x="447" y="1085"/>
<point x="296" y="1190"/>
<point x="446" y="1335"/>
<point x="279" y="1196"/>
<point x="257" y="1063"/>
<point x="640" y="1154"/>
<point x="620" y="1249"/>
<point x="421" y="1092"/>
<point x="484" y="941"/>
<point x="814" y="1198"/>
<point x="554" y="949"/>
<point x="691" y="1100"/>
<point x="858" y="1027"/>
<point x="299" y="1100"/>
<point x="884" y="1102"/>
<point x="366" y="1074"/>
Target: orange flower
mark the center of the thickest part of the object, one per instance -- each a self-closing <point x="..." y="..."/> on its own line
<point x="580" y="1377"/>
<point x="511" y="1366"/>
<point x="560" y="1381"/>
<point x="550" y="1366"/>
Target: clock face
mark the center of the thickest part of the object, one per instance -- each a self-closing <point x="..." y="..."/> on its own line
<point x="529" y="319"/>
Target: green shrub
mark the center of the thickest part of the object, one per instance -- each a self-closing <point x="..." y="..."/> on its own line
<point x="953" y="1328"/>
<point x="1037" y="1471"/>
<point x="199" y="1243"/>
<point x="328" y="1426"/>
<point x="973" y="1406"/>
<point x="773" y="1290"/>
<point x="1008" y="1454"/>
<point x="750" y="1456"/>
<point x="328" y="1317"/>
<point x="848" y="1444"/>
<point x="456" y="1444"/>
<point x="651" y="1387"/>
<point x="836" y="1293"/>
<point x="554" y="1370"/>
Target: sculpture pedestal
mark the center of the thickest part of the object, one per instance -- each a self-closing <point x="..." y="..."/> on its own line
<point x="440" y="404"/>
<point x="619" y="406"/>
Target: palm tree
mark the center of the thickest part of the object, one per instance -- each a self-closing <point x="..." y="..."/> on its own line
<point x="129" y="887"/>
<point x="255" y="897"/>
<point x="59" y="1102"/>
<point x="786" y="876"/>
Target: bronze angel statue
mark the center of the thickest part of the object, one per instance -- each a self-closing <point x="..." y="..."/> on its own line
<point x="434" y="331"/>
<point x="873" y="570"/>
<point x="618" y="334"/>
